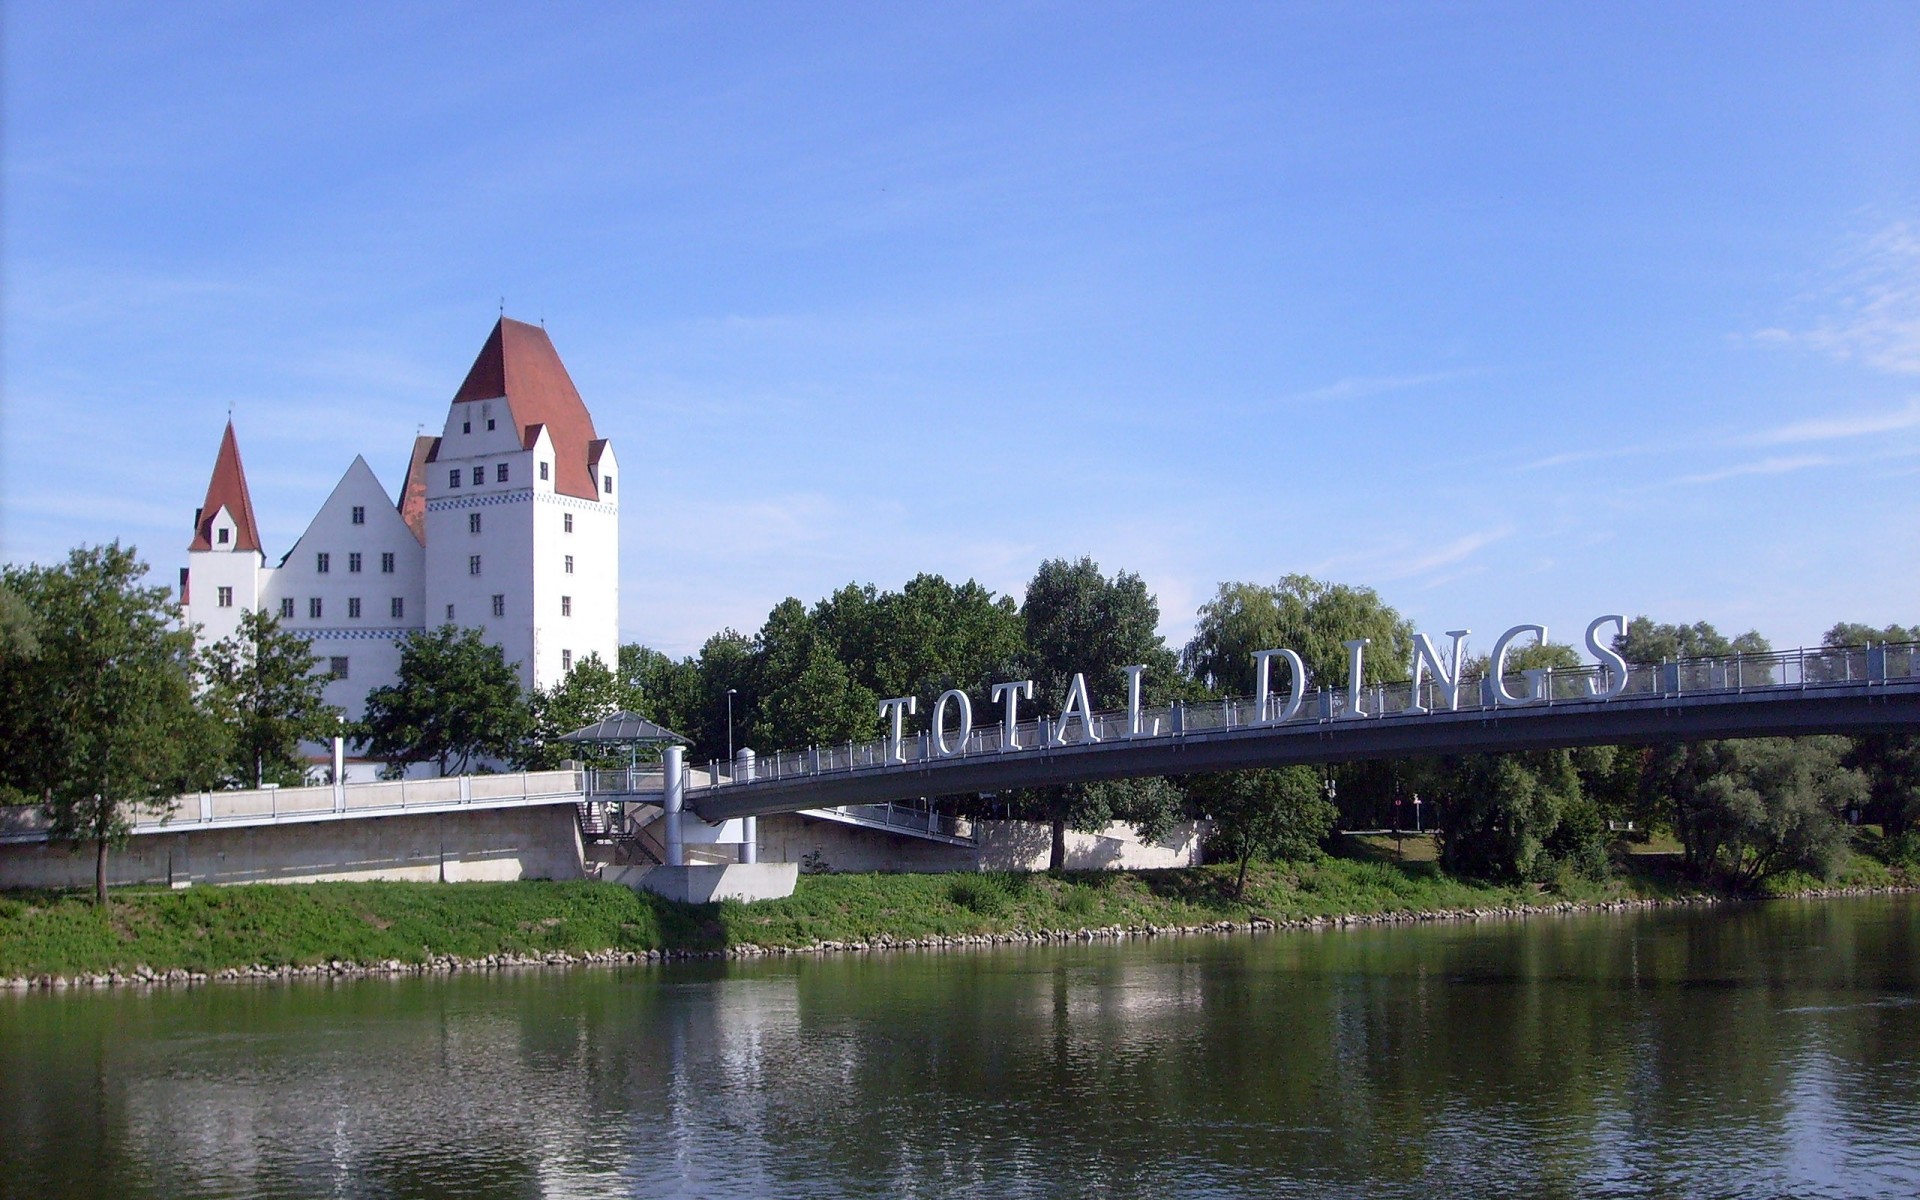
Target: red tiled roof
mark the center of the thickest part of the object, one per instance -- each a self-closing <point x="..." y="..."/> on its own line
<point x="413" y="489"/>
<point x="519" y="362"/>
<point x="227" y="489"/>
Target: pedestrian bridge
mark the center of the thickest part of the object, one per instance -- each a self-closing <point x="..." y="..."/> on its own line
<point x="1788" y="693"/>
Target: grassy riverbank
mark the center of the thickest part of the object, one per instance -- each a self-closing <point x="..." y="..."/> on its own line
<point x="213" y="929"/>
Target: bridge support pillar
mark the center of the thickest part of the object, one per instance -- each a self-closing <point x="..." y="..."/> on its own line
<point x="743" y="768"/>
<point x="673" y="800"/>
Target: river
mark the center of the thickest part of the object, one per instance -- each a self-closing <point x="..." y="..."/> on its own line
<point x="1770" y="1050"/>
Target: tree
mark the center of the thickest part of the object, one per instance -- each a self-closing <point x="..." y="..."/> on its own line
<point x="1749" y="809"/>
<point x="1078" y="621"/>
<point x="261" y="682"/>
<point x="662" y="689"/>
<point x="1645" y="641"/>
<point x="1311" y="617"/>
<point x="1889" y="761"/>
<point x="1276" y="813"/>
<point x="102" y="723"/>
<point x="806" y="696"/>
<point x="929" y="636"/>
<point x="590" y="692"/>
<point x="1524" y="815"/>
<point x="455" y="699"/>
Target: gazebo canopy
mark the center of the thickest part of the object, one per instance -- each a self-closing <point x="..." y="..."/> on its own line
<point x="624" y="728"/>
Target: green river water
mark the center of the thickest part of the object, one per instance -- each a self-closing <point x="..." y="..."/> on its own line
<point x="1759" y="1051"/>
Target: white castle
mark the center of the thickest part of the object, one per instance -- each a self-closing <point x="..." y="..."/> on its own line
<point x="507" y="522"/>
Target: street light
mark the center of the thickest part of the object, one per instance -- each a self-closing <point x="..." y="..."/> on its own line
<point x="730" y="692"/>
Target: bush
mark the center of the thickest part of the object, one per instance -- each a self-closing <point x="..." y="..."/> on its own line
<point x="985" y="894"/>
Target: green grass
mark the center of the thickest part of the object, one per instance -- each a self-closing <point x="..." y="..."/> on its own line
<point x="209" y="929"/>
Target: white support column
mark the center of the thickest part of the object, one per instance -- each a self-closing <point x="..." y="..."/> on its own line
<point x="743" y="769"/>
<point x="339" y="774"/>
<point x="674" y="786"/>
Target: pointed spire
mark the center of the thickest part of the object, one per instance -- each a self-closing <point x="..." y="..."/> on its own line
<point x="227" y="489"/>
<point x="519" y="363"/>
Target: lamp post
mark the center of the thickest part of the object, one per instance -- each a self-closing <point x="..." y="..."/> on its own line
<point x="730" y="692"/>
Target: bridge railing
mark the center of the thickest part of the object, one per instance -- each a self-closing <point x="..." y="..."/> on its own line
<point x="1739" y="673"/>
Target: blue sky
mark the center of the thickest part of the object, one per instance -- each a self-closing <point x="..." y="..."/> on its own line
<point x="1513" y="312"/>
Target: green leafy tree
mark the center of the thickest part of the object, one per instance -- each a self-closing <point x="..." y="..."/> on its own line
<point x="806" y="695"/>
<point x="726" y="662"/>
<point x="1647" y="641"/>
<point x="456" y="699"/>
<point x="1520" y="815"/>
<point x="103" y="722"/>
<point x="590" y="692"/>
<point x="1080" y="621"/>
<point x="929" y="636"/>
<point x="1276" y="813"/>
<point x="1749" y="809"/>
<point x="1311" y="617"/>
<point x="19" y="630"/>
<point x="262" y="683"/>
<point x="663" y="689"/>
<point x="1889" y="761"/>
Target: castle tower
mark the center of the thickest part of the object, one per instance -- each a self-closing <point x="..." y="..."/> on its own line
<point x="224" y="561"/>
<point x="521" y="516"/>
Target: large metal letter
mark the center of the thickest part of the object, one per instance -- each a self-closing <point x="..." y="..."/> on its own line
<point x="1497" y="669"/>
<point x="1263" y="685"/>
<point x="1010" y="694"/>
<point x="1133" y="699"/>
<point x="940" y="748"/>
<point x="893" y="711"/>
<point x="1608" y="658"/>
<point x="1445" y="678"/>
<point x="1356" y="649"/>
<point x="1077" y="699"/>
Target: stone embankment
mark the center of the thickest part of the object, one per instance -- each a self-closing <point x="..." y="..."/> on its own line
<point x="141" y="976"/>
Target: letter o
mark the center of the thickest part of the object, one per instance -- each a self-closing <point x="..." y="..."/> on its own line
<point x="940" y="747"/>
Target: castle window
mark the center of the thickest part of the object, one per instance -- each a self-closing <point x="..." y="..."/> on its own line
<point x="359" y="514"/>
<point x="397" y="608"/>
<point x="489" y="422"/>
<point x="337" y="666"/>
<point x="353" y="563"/>
<point x="225" y="597"/>
<point x="323" y="562"/>
<point x="479" y="476"/>
<point x="353" y="607"/>
<point x="473" y="564"/>
<point x="500" y="470"/>
<point x="286" y="607"/>
<point x="566" y="606"/>
<point x="313" y="608"/>
<point x="386" y="563"/>
<point x="466" y="427"/>
<point x="566" y="522"/>
<point x="453" y="478"/>
<point x="543" y="471"/>
<point x="566" y="660"/>
<point x="449" y="614"/>
<point x="224" y="534"/>
<point x="499" y="606"/>
<point x="569" y="564"/>
<point x="606" y="485"/>
<point x="473" y="522"/>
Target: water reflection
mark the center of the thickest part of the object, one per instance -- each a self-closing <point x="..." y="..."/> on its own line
<point x="1763" y="1052"/>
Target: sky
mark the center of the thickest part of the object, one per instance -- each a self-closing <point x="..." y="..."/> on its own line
<point x="1514" y="313"/>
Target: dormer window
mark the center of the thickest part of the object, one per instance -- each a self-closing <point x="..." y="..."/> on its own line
<point x="225" y="597"/>
<point x="606" y="485"/>
<point x="543" y="472"/>
<point x="224" y="535"/>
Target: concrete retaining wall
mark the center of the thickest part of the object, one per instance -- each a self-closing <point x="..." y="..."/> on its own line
<point x="1002" y="846"/>
<point x="540" y="842"/>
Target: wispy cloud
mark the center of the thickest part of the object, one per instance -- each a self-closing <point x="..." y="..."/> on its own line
<point x="1402" y="560"/>
<point x="1822" y="429"/>
<point x="1868" y="310"/>
<point x="1766" y="466"/>
<point x="1359" y="387"/>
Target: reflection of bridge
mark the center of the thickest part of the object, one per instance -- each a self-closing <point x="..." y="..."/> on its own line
<point x="1794" y="692"/>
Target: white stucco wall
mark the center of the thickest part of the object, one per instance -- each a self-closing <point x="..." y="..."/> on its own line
<point x="1002" y="846"/>
<point x="497" y="844"/>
